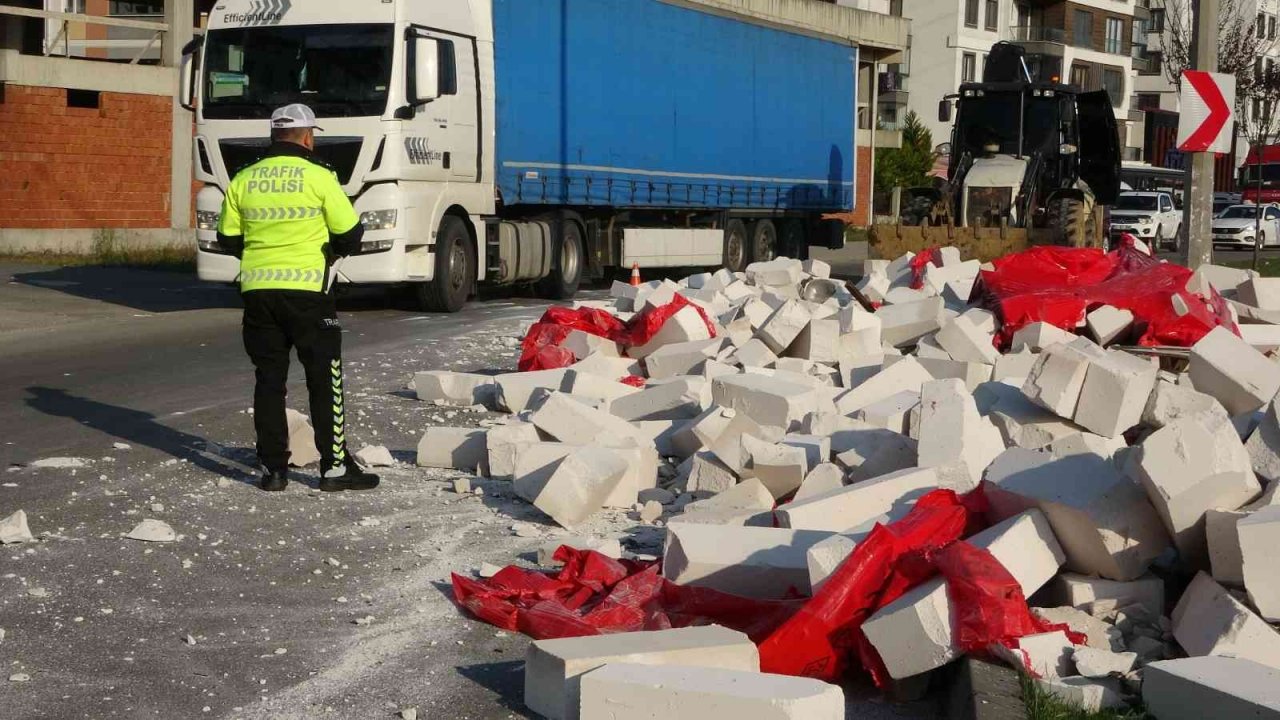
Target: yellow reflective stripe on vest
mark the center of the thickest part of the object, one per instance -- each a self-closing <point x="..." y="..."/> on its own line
<point x="281" y="213"/>
<point x="262" y="275"/>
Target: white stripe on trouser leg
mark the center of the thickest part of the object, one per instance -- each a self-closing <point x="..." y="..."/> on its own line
<point x="339" y="421"/>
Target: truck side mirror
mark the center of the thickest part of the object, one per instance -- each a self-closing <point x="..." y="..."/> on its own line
<point x="187" y="73"/>
<point x="944" y="111"/>
<point x="424" y="83"/>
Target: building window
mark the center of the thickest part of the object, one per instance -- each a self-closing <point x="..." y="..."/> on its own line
<point x="125" y="8"/>
<point x="993" y="15"/>
<point x="1080" y="76"/>
<point x="1271" y="27"/>
<point x="1115" y="36"/>
<point x="1148" y="101"/>
<point x="971" y="13"/>
<point x="1156" y="59"/>
<point x="1082" y="29"/>
<point x="1262" y="26"/>
<point x="968" y="66"/>
<point x="1157" y="20"/>
<point x="1113" y="83"/>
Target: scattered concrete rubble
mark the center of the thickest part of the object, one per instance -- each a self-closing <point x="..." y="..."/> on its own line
<point x="14" y="529"/>
<point x="153" y="531"/>
<point x="764" y="452"/>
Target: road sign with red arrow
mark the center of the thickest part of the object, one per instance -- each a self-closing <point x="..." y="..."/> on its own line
<point x="1205" y="123"/>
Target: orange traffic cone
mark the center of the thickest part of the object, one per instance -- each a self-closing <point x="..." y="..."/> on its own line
<point x="635" y="274"/>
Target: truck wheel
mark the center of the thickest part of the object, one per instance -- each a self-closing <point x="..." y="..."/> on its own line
<point x="455" y="269"/>
<point x="735" y="246"/>
<point x="566" y="264"/>
<point x="764" y="241"/>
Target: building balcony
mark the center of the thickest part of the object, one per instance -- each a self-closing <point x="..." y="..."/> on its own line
<point x="1043" y="38"/>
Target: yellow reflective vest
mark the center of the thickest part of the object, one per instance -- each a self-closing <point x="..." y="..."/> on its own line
<point x="285" y="206"/>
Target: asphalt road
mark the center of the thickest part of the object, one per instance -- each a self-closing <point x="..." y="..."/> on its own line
<point x="291" y="605"/>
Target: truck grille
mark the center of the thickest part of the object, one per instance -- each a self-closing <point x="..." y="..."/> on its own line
<point x="341" y="153"/>
<point x="987" y="205"/>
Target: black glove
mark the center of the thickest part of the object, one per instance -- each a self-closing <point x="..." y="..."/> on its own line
<point x="232" y="244"/>
<point x="348" y="243"/>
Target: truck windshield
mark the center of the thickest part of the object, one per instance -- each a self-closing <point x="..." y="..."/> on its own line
<point x="992" y="119"/>
<point x="339" y="70"/>
<point x="1136" y="202"/>
<point x="1270" y="175"/>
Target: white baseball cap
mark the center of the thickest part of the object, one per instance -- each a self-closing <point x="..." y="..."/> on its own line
<point x="296" y="115"/>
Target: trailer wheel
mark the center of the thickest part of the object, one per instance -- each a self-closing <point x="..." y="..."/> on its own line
<point x="566" y="264"/>
<point x="735" y="246"/>
<point x="764" y="241"/>
<point x="792" y="241"/>
<point x="455" y="269"/>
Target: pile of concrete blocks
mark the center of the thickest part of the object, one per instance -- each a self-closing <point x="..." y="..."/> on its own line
<point x="774" y="420"/>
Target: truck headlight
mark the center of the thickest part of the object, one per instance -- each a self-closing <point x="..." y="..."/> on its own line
<point x="379" y="219"/>
<point x="207" y="219"/>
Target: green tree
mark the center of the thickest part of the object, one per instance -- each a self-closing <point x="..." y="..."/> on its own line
<point x="909" y="165"/>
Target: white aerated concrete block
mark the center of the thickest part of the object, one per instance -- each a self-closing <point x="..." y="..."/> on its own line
<point x="1103" y="519"/>
<point x="1209" y="621"/>
<point x="1260" y="292"/>
<point x="302" y="439"/>
<point x="1087" y="694"/>
<point x="1095" y="663"/>
<point x="906" y="375"/>
<point x="859" y="330"/>
<point x="915" y="634"/>
<point x="747" y="503"/>
<point x="566" y="419"/>
<point x="1115" y="393"/>
<point x="775" y="273"/>
<point x="954" y="439"/>
<point x="759" y="562"/>
<point x="1263" y="445"/>
<point x="605" y="366"/>
<point x="819" y="341"/>
<point x="754" y="353"/>
<point x="1263" y="338"/>
<point x="579" y="485"/>
<point x="871" y="452"/>
<point x="1094" y="594"/>
<point x="1014" y="366"/>
<point x="825" y="557"/>
<point x="463" y="449"/>
<point x="707" y="474"/>
<point x="1107" y="324"/>
<point x="781" y="468"/>
<point x="892" y="413"/>
<point x="965" y="341"/>
<point x="972" y="374"/>
<point x="680" y="398"/>
<point x="1259" y="538"/>
<point x="1099" y="634"/>
<point x="1044" y="655"/>
<point x="596" y="387"/>
<point x="515" y="390"/>
<point x="451" y="388"/>
<point x="635" y="692"/>
<point x="784" y="326"/>
<point x="554" y="668"/>
<point x="686" y="325"/>
<point x="1188" y="469"/>
<point x="1228" y="368"/>
<point x="765" y="400"/>
<point x="822" y="478"/>
<point x="903" y="325"/>
<point x="1170" y="402"/>
<point x="681" y="358"/>
<point x="583" y="344"/>
<point x="1222" y="534"/>
<point x="870" y="500"/>
<point x="501" y="443"/>
<point x="1211" y="687"/>
<point x="1058" y="377"/>
<point x="1038" y="336"/>
<point x="817" y="268"/>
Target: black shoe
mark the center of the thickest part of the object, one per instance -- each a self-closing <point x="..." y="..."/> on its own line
<point x="348" y="476"/>
<point x="274" y="480"/>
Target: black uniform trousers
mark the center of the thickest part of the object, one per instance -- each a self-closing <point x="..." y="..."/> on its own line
<point x="275" y="323"/>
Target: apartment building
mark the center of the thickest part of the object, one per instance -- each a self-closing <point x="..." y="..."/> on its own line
<point x="1088" y="43"/>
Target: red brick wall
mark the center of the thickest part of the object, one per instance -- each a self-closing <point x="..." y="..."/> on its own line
<point x="64" y="167"/>
<point x="862" y="206"/>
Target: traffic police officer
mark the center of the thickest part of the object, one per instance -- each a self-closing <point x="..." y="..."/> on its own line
<point x="286" y="218"/>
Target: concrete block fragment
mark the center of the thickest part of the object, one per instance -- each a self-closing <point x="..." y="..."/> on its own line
<point x="1226" y="562"/>
<point x="819" y="341"/>
<point x="569" y="421"/>
<point x="1084" y="443"/>
<point x="597" y="387"/>
<point x="1115" y="393"/>
<point x="822" y="478"/>
<point x="1090" y="593"/>
<point x="1044" y="655"/>
<point x="972" y="374"/>
<point x="853" y="505"/>
<point x="1259" y="537"/>
<point x="681" y="398"/>
<point x="825" y="557"/>
<point x="1103" y="519"/>
<point x="1260" y="292"/>
<point x="1170" y="402"/>
<point x="1088" y="694"/>
<point x="462" y="389"/>
<point x="1211" y="687"/>
<point x="765" y="400"/>
<point x="302" y="439"/>
<point x="14" y="529"/>
<point x="1263" y="445"/>
<point x="759" y="562"/>
<point x="1099" y="634"/>
<point x="891" y="413"/>
<point x="870" y="452"/>
<point x="964" y="341"/>
<point x="775" y="273"/>
<point x="662" y="433"/>
<point x="817" y="268"/>
<point x="1209" y="621"/>
<point x="784" y="326"/>
<point x="903" y="325"/>
<point x="681" y="358"/>
<point x="747" y="503"/>
<point x="781" y="468"/>
<point x="582" y="344"/>
<point x="929" y="349"/>
<point x="708" y="474"/>
<point x="1224" y="279"/>
<point x="686" y="325"/>
<point x="1228" y="368"/>
<point x="1057" y="378"/>
<point x="859" y="330"/>
<point x="915" y="634"/>
<point x="1038" y="336"/>
<point x="904" y="375"/>
<point x="857" y="369"/>
<point x="954" y="438"/>
<point x="463" y="449"/>
<point x="554" y="668"/>
<point x="1188" y="469"/>
<point x="632" y="692"/>
<point x="1094" y="663"/>
<point x="579" y="485"/>
<point x="1108" y="324"/>
<point x="754" y="353"/>
<point x="1263" y="338"/>
<point x="516" y="389"/>
<point x="728" y="445"/>
<point x="902" y="295"/>
<point x="1014" y="365"/>
<point x="609" y="367"/>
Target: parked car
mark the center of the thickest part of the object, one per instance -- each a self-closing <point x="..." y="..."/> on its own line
<point x="1237" y="227"/>
<point x="1150" y="216"/>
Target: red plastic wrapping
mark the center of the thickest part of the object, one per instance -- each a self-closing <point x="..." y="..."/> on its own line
<point x="920" y="262"/>
<point x="1060" y="285"/>
<point x="816" y="637"/>
<point x="634" y="381"/>
<point x="641" y="328"/>
<point x="541" y="347"/>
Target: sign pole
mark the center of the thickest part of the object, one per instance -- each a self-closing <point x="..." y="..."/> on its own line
<point x="1199" y="193"/>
